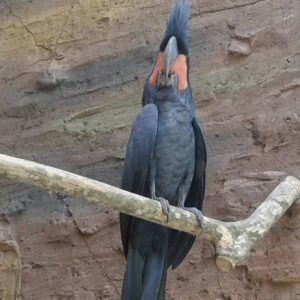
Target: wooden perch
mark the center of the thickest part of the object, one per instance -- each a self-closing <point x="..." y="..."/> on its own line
<point x="233" y="240"/>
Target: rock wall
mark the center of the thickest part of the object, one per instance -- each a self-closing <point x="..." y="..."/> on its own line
<point x="10" y="263"/>
<point x="71" y="79"/>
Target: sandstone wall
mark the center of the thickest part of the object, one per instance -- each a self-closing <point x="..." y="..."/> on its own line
<point x="71" y="79"/>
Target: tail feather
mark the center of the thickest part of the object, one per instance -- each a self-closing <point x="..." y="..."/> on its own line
<point x="163" y="281"/>
<point x="132" y="283"/>
<point x="146" y="268"/>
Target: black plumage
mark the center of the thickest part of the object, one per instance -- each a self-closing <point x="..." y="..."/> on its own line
<point x="166" y="157"/>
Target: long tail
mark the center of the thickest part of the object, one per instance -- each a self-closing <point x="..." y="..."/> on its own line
<point x="178" y="23"/>
<point x="146" y="268"/>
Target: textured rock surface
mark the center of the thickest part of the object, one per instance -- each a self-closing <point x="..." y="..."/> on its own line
<point x="71" y="79"/>
<point x="10" y="263"/>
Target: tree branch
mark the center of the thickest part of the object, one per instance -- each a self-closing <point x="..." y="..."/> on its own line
<point x="233" y="240"/>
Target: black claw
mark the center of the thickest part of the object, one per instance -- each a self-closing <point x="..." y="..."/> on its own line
<point x="198" y="214"/>
<point x="164" y="206"/>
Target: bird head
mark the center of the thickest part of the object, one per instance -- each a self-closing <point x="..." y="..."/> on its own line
<point x="171" y="66"/>
<point x="170" y="69"/>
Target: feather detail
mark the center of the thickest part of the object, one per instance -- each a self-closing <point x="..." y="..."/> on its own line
<point x="178" y="26"/>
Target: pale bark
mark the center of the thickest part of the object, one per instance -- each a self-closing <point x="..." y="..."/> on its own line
<point x="233" y="240"/>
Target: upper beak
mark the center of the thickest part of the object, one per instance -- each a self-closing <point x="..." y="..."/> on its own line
<point x="170" y="55"/>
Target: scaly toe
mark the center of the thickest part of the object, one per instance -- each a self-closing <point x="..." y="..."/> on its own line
<point x="198" y="214"/>
<point x="164" y="206"/>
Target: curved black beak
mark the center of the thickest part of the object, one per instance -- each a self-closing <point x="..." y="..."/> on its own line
<point x="170" y="55"/>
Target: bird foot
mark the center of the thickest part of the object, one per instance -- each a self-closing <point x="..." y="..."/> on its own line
<point x="198" y="214"/>
<point x="165" y="206"/>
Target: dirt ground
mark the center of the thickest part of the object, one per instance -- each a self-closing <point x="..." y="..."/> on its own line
<point x="71" y="80"/>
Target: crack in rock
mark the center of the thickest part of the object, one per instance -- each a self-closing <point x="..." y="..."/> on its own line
<point x="52" y="53"/>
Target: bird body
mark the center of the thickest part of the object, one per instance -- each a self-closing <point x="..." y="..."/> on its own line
<point x="165" y="159"/>
<point x="174" y="151"/>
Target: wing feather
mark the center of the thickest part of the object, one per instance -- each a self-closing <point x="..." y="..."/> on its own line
<point x="138" y="156"/>
<point x="181" y="242"/>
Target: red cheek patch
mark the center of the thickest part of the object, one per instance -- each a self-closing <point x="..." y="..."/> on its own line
<point x="180" y="68"/>
<point x="159" y="66"/>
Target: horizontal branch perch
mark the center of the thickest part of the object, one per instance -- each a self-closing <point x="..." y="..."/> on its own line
<point x="233" y="240"/>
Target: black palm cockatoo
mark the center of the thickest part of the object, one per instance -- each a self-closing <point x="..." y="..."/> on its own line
<point x="165" y="160"/>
